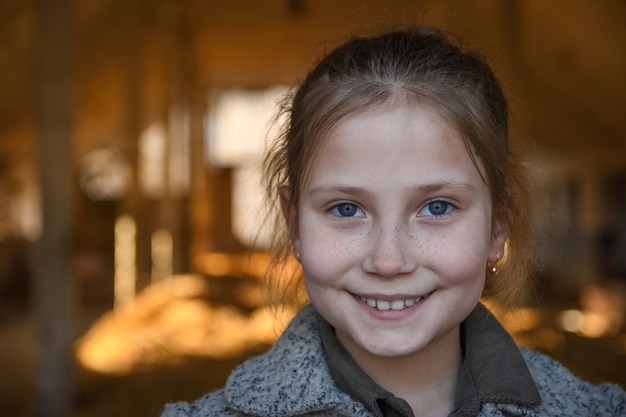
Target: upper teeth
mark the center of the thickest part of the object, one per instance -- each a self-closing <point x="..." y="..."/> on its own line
<point x="385" y="305"/>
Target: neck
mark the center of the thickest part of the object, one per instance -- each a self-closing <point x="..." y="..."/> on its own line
<point x="426" y="379"/>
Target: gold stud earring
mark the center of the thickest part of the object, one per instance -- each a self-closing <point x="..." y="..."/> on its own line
<point x="493" y="269"/>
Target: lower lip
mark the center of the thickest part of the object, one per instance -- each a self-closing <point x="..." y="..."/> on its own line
<point x="392" y="314"/>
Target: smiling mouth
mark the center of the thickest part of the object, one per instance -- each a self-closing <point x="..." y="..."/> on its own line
<point x="396" y="305"/>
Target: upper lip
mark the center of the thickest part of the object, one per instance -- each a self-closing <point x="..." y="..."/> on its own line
<point x="392" y="297"/>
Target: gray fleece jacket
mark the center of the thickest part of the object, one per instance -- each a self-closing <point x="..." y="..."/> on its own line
<point x="293" y="379"/>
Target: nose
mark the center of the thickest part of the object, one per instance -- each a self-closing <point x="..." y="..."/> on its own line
<point x="391" y="253"/>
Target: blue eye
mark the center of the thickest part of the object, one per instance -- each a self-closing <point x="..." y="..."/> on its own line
<point x="438" y="208"/>
<point x="346" y="210"/>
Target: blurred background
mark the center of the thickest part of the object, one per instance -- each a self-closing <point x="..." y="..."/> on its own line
<point x="131" y="133"/>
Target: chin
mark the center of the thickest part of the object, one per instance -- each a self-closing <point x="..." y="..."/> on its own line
<point x="393" y="350"/>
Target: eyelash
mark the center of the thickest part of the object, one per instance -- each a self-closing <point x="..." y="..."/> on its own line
<point x="449" y="207"/>
<point x="335" y="209"/>
<point x="356" y="211"/>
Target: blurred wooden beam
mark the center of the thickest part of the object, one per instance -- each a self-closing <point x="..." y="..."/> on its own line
<point x="52" y="282"/>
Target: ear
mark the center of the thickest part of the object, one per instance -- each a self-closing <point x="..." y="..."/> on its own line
<point x="290" y="213"/>
<point x="499" y="235"/>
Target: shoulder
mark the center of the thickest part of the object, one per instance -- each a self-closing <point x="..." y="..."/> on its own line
<point x="212" y="404"/>
<point x="291" y="378"/>
<point x="295" y="358"/>
<point x="563" y="393"/>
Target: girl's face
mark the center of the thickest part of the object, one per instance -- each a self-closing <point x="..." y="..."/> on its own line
<point x="394" y="230"/>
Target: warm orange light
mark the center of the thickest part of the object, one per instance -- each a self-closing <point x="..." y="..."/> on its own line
<point x="125" y="270"/>
<point x="240" y="265"/>
<point x="171" y="320"/>
<point x="521" y="319"/>
<point x="601" y="313"/>
<point x="585" y="323"/>
<point x="570" y="320"/>
<point x="162" y="246"/>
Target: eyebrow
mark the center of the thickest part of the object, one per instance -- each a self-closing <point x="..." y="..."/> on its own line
<point x="417" y="189"/>
<point x="323" y="189"/>
<point x="443" y="185"/>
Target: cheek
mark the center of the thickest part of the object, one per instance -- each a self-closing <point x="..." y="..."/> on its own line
<point x="320" y="254"/>
<point x="464" y="267"/>
<point x="461" y="254"/>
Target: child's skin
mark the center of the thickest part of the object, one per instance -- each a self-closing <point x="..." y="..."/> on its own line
<point x="393" y="230"/>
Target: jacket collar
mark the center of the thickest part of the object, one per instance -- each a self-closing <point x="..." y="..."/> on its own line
<point x="493" y="372"/>
<point x="493" y="369"/>
<point x="291" y="378"/>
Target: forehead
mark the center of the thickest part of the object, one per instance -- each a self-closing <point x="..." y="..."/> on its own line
<point x="361" y="104"/>
<point x="404" y="140"/>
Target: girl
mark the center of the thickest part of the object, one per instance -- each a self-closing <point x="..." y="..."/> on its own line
<point x="401" y="197"/>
